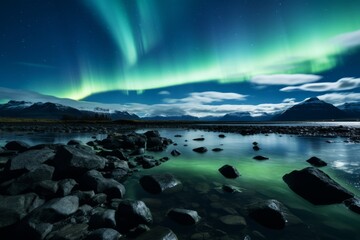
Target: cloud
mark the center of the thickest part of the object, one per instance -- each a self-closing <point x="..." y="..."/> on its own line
<point x="207" y="97"/>
<point x="340" y="85"/>
<point x="340" y="98"/>
<point x="285" y="79"/>
<point x="289" y="100"/>
<point x="164" y="93"/>
<point x="347" y="40"/>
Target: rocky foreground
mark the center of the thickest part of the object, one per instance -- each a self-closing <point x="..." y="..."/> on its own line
<point x="76" y="191"/>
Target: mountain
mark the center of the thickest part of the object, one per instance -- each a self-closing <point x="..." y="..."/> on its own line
<point x="311" y="109"/>
<point x="48" y="110"/>
<point x="172" y="118"/>
<point x="237" y="116"/>
<point x="351" y="109"/>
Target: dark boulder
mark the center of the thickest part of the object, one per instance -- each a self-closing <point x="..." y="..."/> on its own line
<point x="353" y="204"/>
<point x="28" y="160"/>
<point x="229" y="171"/>
<point x="175" y="153"/>
<point x="94" y="180"/>
<point x="199" y="139"/>
<point x="316" y="186"/>
<point x="152" y="133"/>
<point x="17" y="146"/>
<point x="154" y="142"/>
<point x="217" y="149"/>
<point x="103" y="219"/>
<point x="74" y="142"/>
<point x="272" y="214"/>
<point x="25" y="182"/>
<point x="317" y="162"/>
<point x="200" y="150"/>
<point x="158" y="233"/>
<point x="221" y="135"/>
<point x="46" y="188"/>
<point x="71" y="161"/>
<point x="256" y="148"/>
<point x="15" y="208"/>
<point x="161" y="183"/>
<point x="131" y="213"/>
<point x="260" y="158"/>
<point x="70" y="232"/>
<point x="66" y="186"/>
<point x="184" y="216"/>
<point x="103" y="234"/>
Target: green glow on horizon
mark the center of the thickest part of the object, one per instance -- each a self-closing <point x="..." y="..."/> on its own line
<point x="297" y="45"/>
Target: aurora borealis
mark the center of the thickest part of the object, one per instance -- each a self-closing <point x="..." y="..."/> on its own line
<point x="127" y="51"/>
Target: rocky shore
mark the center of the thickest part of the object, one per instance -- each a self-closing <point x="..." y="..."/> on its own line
<point x="78" y="190"/>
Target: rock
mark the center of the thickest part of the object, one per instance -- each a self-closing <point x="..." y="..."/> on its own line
<point x="103" y="234"/>
<point x="136" y="231"/>
<point x="103" y="219"/>
<point x="17" y="146"/>
<point x="233" y="220"/>
<point x="229" y="171"/>
<point x="177" y="135"/>
<point x="25" y="182"/>
<point x="84" y="196"/>
<point x="74" y="142"/>
<point x="200" y="149"/>
<point x="152" y="133"/>
<point x="138" y="151"/>
<point x="317" y="162"/>
<point x="119" y="174"/>
<point x="115" y="153"/>
<point x="199" y="139"/>
<point x="161" y="183"/>
<point x="29" y="159"/>
<point x="200" y="236"/>
<point x="260" y="158"/>
<point x="131" y="213"/>
<point x="221" y="136"/>
<point x="158" y="233"/>
<point x="98" y="199"/>
<point x="256" y="148"/>
<point x="184" y="216"/>
<point x="15" y="208"/>
<point x="46" y="188"/>
<point x="353" y="204"/>
<point x="54" y="210"/>
<point x="94" y="180"/>
<point x="154" y="143"/>
<point x="316" y="186"/>
<point x="70" y="232"/>
<point x="270" y="213"/>
<point x="175" y="153"/>
<point x="65" y="187"/>
<point x="70" y="161"/>
<point x="255" y="143"/>
<point x="230" y="189"/>
<point x="217" y="149"/>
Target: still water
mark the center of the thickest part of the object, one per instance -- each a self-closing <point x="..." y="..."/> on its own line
<point x="258" y="181"/>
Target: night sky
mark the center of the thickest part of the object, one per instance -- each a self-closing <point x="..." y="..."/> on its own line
<point x="175" y="57"/>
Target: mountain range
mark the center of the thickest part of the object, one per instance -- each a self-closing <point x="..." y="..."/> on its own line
<point x="312" y="109"/>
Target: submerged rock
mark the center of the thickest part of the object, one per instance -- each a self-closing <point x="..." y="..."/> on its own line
<point x="161" y="183"/>
<point x="200" y="150"/>
<point x="158" y="233"/>
<point x="260" y="158"/>
<point x="229" y="171"/>
<point x="233" y="220"/>
<point x="217" y="149"/>
<point x="317" y="162"/>
<point x="316" y="186"/>
<point x="184" y="216"/>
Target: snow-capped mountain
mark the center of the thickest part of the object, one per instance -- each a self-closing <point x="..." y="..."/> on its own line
<point x="352" y="109"/>
<point x="311" y="109"/>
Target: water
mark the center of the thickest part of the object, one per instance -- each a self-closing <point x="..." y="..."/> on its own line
<point x="294" y="124"/>
<point x="258" y="181"/>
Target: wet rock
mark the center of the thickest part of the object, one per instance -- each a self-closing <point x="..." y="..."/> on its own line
<point x="199" y="139"/>
<point x="84" y="196"/>
<point x="131" y="213"/>
<point x="115" y="153"/>
<point x="177" y="135"/>
<point x="256" y="148"/>
<point x="233" y="220"/>
<point x="158" y="233"/>
<point x="138" y="151"/>
<point x="230" y="189"/>
<point x="119" y="174"/>
<point x="70" y="232"/>
<point x="65" y="187"/>
<point x="146" y="162"/>
<point x="353" y="204"/>
<point x="103" y="234"/>
<point x="25" y="182"/>
<point x="316" y="186"/>
<point x="229" y="171"/>
<point x="138" y="230"/>
<point x="260" y="158"/>
<point x="17" y="146"/>
<point x="161" y="183"/>
<point x="200" y="150"/>
<point x="74" y="142"/>
<point x="46" y="188"/>
<point x="217" y="149"/>
<point x="175" y="153"/>
<point x="29" y="159"/>
<point x="184" y="216"/>
<point x="200" y="236"/>
<point x="152" y="133"/>
<point x="221" y="136"/>
<point x="103" y="219"/>
<point x="98" y="199"/>
<point x="255" y="143"/>
<point x="270" y="213"/>
<point x="94" y="180"/>
<point x="15" y="208"/>
<point x="70" y="161"/>
<point x="317" y="162"/>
